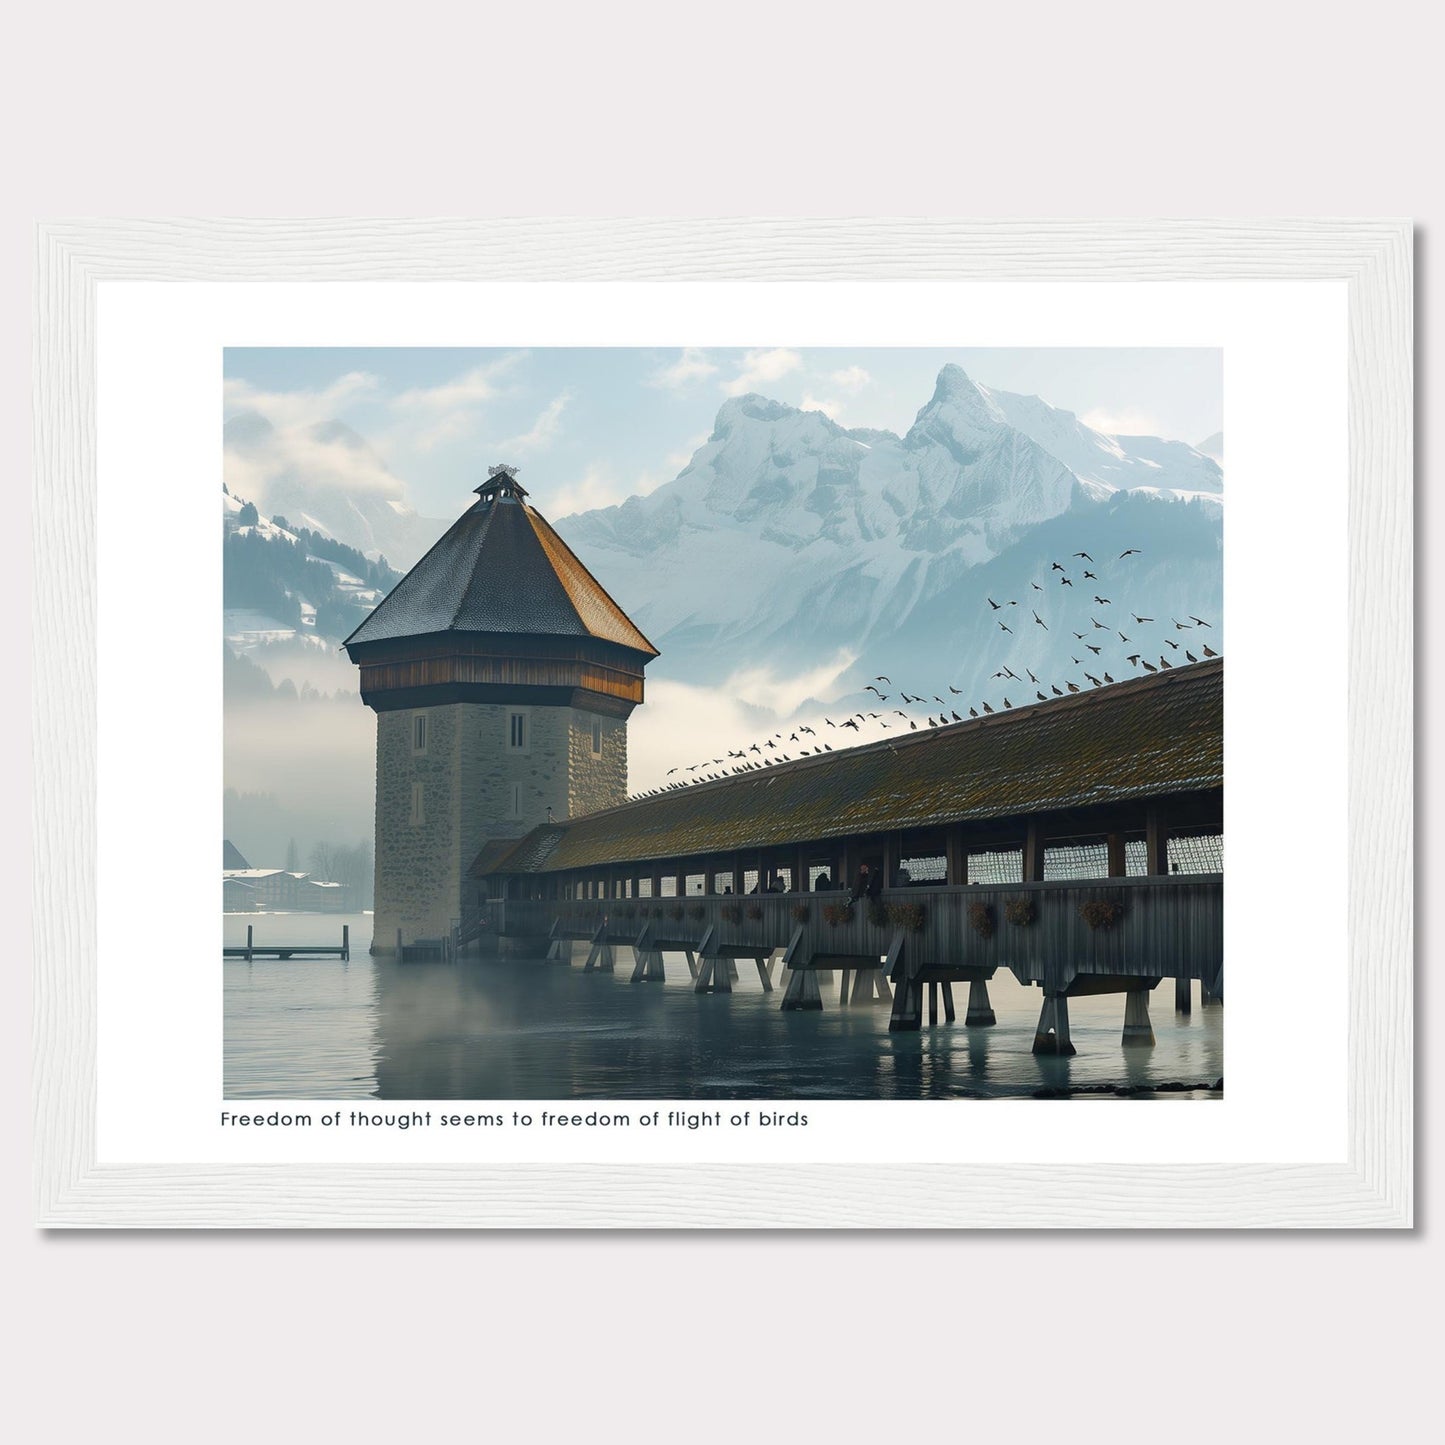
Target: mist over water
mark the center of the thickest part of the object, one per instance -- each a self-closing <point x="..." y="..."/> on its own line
<point x="527" y="1029"/>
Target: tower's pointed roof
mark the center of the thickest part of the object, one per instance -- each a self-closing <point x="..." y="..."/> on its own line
<point x="500" y="568"/>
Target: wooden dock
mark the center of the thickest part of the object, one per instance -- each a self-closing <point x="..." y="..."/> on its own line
<point x="251" y="949"/>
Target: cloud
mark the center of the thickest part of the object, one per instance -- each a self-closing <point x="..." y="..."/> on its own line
<point x="596" y="487"/>
<point x="544" y="429"/>
<point x="826" y="405"/>
<point x="691" y="366"/>
<point x="759" y="368"/>
<point x="1124" y="422"/>
<point x="851" y="378"/>
<point x="287" y="409"/>
<point x="430" y="415"/>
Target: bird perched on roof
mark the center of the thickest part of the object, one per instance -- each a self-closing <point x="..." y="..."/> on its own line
<point x="1107" y="678"/>
<point x="987" y="708"/>
<point x="973" y="712"/>
<point x="1007" y="703"/>
<point x="1074" y="687"/>
<point x="1090" y="676"/>
<point x="1148" y="667"/>
<point x="1210" y="652"/>
<point x="1165" y="663"/>
<point x="1191" y="656"/>
<point x="1056" y="689"/>
<point x="1040" y="697"/>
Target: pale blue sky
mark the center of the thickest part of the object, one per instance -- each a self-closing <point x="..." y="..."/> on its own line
<point x="590" y="426"/>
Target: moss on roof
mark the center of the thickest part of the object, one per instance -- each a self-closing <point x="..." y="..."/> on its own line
<point x="1147" y="737"/>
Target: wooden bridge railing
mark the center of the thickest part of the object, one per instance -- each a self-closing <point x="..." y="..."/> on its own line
<point x="1047" y="933"/>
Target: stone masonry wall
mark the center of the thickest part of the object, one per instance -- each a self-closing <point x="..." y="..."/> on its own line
<point x="476" y="788"/>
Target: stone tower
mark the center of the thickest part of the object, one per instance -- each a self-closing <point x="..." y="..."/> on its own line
<point x="502" y="676"/>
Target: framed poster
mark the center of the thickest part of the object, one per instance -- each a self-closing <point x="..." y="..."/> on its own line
<point x="819" y="625"/>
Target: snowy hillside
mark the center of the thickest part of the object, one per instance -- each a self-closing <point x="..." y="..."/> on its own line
<point x="791" y="545"/>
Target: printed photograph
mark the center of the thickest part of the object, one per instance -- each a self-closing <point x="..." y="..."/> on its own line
<point x="773" y="723"/>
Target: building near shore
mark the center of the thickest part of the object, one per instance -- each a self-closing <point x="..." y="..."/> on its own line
<point x="502" y="676"/>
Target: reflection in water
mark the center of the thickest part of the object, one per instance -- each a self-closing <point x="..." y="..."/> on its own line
<point x="527" y="1029"/>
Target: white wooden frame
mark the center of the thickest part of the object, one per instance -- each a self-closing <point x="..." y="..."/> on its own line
<point x="1373" y="1189"/>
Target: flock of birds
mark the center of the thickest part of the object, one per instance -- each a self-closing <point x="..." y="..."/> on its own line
<point x="1105" y="642"/>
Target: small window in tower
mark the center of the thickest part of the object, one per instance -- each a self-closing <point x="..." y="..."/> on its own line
<point x="517" y="738"/>
<point x="597" y="737"/>
<point x="418" y="732"/>
<point x="516" y="802"/>
<point x="418" y="805"/>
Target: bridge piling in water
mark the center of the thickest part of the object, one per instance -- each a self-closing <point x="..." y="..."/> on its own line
<point x="980" y="1008"/>
<point x="1181" y="996"/>
<point x="1052" y="1034"/>
<point x="1138" y="1031"/>
<point x="802" y="991"/>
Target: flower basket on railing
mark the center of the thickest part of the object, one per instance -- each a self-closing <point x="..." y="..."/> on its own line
<point x="1101" y="912"/>
<point x="801" y="912"/>
<point x="981" y="920"/>
<point x="910" y="916"/>
<point x="877" y="913"/>
<point x="1021" y="912"/>
<point x="837" y="913"/>
<point x="755" y="911"/>
<point x="731" y="913"/>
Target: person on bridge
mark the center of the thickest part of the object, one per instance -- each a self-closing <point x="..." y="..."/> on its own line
<point x="823" y="884"/>
<point x="869" y="883"/>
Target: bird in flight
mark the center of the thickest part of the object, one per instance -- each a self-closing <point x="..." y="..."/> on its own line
<point x="1006" y="629"/>
<point x="1064" y="582"/>
<point x="1139" y="619"/>
<point x="1093" y="679"/>
<point x="1122" y="638"/>
<point x="1198" y="621"/>
<point x="1032" y="678"/>
<point x="991" y="603"/>
<point x="1057" y="567"/>
<point x="1094" y="575"/>
<point x="1041" y="622"/>
<point x="1095" y="650"/>
<point x="1102" y="601"/>
<point x="1099" y="626"/>
<point x="888" y="680"/>
<point x="1036" y="586"/>
<point x="1084" y="555"/>
<point x="1132" y="552"/>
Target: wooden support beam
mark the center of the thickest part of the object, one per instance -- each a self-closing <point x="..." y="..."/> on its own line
<point x="1114" y="842"/>
<point x="1034" y="854"/>
<point x="1156" y="851"/>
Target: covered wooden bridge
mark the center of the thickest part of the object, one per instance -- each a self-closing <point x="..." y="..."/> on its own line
<point x="1077" y="843"/>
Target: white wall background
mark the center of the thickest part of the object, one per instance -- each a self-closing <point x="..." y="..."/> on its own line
<point x="1049" y="109"/>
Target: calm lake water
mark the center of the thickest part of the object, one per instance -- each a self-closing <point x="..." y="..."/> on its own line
<point x="490" y="1029"/>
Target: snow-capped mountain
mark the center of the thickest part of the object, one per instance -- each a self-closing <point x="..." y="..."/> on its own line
<point x="789" y="540"/>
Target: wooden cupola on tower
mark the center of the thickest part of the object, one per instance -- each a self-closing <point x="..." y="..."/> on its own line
<point x="502" y="676"/>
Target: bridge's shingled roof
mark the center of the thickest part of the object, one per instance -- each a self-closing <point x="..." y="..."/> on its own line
<point x="500" y="568"/>
<point x="1149" y="736"/>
